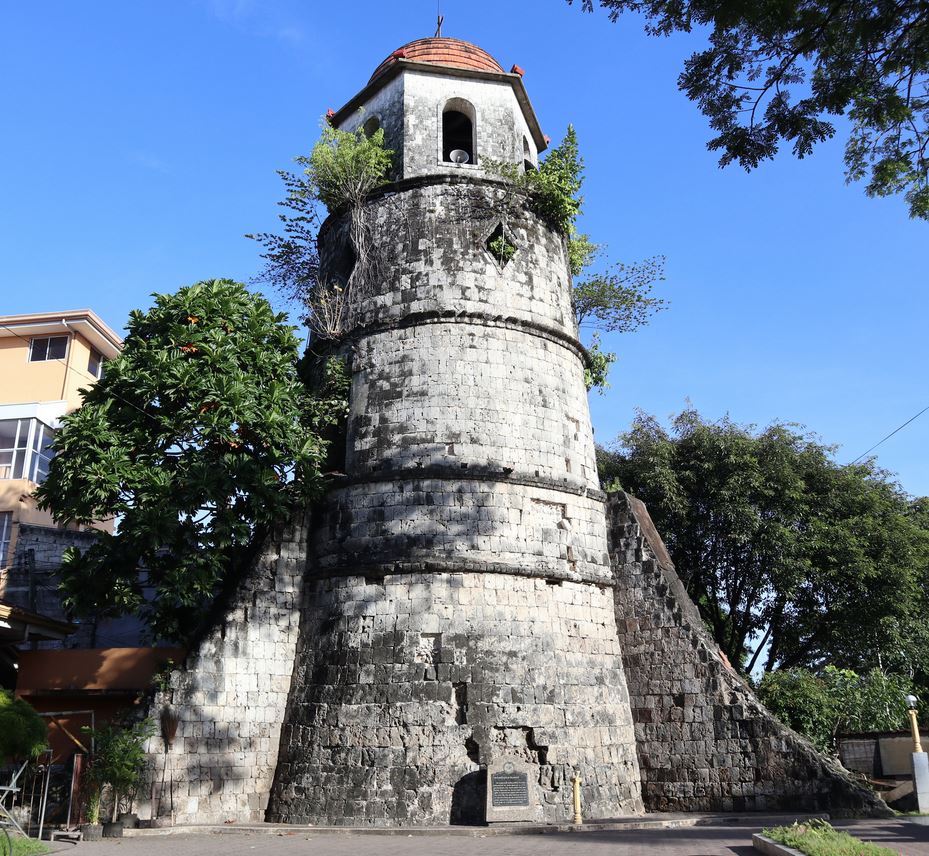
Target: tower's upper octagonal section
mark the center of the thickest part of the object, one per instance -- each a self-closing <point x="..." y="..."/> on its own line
<point x="447" y="107"/>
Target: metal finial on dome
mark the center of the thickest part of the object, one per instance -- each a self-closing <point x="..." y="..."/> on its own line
<point x="438" y="29"/>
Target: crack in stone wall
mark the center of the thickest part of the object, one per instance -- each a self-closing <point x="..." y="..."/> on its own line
<point x="406" y="687"/>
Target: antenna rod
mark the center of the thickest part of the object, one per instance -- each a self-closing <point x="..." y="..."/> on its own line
<point x="438" y="29"/>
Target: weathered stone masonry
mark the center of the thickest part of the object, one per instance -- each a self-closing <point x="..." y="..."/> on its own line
<point x="230" y="696"/>
<point x="466" y="592"/>
<point x="705" y="743"/>
<point x="461" y="606"/>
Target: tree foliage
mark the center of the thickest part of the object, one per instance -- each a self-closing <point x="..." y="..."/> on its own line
<point x="292" y="258"/>
<point x="555" y="187"/>
<point x="618" y="300"/>
<point x="23" y="733"/>
<point x="793" y="559"/>
<point x="199" y="437"/>
<point x="340" y="171"/>
<point x="118" y="759"/>
<point x="777" y="72"/>
<point x="345" y="166"/>
<point x="835" y="701"/>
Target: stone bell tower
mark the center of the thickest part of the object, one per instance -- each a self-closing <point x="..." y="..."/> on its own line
<point x="458" y="600"/>
<point x="465" y="594"/>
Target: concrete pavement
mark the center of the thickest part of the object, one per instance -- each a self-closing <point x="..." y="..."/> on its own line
<point x="730" y="839"/>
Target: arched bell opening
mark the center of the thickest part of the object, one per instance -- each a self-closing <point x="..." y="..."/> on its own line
<point x="458" y="132"/>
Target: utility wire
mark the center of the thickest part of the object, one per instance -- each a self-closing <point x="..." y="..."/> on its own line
<point x="908" y="421"/>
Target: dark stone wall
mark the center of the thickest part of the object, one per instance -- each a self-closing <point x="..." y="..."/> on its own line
<point x="406" y="687"/>
<point x="704" y="742"/>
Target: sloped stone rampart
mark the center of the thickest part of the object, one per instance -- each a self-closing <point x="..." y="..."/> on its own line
<point x="704" y="742"/>
<point x="230" y="695"/>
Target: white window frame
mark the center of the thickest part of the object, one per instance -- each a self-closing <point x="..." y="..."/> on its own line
<point x="46" y="358"/>
<point x="6" y="535"/>
<point x="95" y="353"/>
<point x="27" y="465"/>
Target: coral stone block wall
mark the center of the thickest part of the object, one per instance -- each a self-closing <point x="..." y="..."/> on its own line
<point x="460" y="606"/>
<point x="230" y="695"/>
<point x="405" y="686"/>
<point x="704" y="741"/>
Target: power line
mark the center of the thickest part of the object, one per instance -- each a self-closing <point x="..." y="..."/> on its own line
<point x="908" y="421"/>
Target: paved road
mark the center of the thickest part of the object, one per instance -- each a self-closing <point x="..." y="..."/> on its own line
<point x="729" y="840"/>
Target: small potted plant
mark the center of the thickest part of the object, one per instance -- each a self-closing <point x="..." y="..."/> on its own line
<point x="118" y="762"/>
<point x="93" y="829"/>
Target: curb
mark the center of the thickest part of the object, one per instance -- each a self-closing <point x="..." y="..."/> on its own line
<point x="769" y="847"/>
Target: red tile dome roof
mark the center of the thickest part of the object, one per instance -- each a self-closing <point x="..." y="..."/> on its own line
<point x="442" y="51"/>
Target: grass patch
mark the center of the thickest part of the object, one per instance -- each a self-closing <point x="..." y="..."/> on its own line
<point x="28" y="846"/>
<point x="819" y="838"/>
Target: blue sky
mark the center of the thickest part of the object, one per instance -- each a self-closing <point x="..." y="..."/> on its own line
<point x="139" y="143"/>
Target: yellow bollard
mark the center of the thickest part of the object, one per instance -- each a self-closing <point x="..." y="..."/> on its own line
<point x="576" y="781"/>
<point x="914" y="728"/>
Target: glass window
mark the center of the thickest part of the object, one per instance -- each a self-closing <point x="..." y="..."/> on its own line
<point x="42" y="452"/>
<point x="25" y="449"/>
<point x="48" y="348"/>
<point x="14" y="439"/>
<point x="95" y="363"/>
<point x="6" y="533"/>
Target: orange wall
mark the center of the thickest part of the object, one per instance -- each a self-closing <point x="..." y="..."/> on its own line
<point x="91" y="669"/>
<point x="22" y="382"/>
<point x="106" y="681"/>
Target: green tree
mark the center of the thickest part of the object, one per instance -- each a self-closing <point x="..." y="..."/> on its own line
<point x="197" y="440"/>
<point x="345" y="166"/>
<point x="617" y="300"/>
<point x="793" y="559"/>
<point x="119" y="759"/>
<point x="342" y="169"/>
<point x="777" y="72"/>
<point x="23" y="733"/>
<point x="835" y="701"/>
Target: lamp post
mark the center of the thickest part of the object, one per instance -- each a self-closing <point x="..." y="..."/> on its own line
<point x="920" y="759"/>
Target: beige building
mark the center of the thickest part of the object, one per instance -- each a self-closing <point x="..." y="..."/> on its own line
<point x="45" y="360"/>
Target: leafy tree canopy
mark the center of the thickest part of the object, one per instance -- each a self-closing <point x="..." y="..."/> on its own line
<point x="345" y="166"/>
<point x="776" y="72"/>
<point x="199" y="437"/>
<point x="23" y="733"/>
<point x="793" y="559"/>
<point x="835" y="701"/>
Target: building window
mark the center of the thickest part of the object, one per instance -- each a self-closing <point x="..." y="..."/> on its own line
<point x="370" y="128"/>
<point x="42" y="453"/>
<point x="25" y="449"/>
<point x="6" y="535"/>
<point x="48" y="348"/>
<point x="458" y="142"/>
<point x="95" y="364"/>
